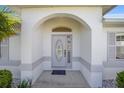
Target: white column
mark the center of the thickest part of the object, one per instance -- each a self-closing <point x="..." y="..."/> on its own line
<point x="98" y="55"/>
<point x="98" y="38"/>
<point x="26" y="49"/>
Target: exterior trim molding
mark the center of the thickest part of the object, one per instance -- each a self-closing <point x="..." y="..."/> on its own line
<point x="113" y="64"/>
<point x="10" y="63"/>
<point x="91" y="68"/>
<point x="35" y="64"/>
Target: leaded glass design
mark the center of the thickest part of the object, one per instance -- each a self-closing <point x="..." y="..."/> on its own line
<point x="59" y="50"/>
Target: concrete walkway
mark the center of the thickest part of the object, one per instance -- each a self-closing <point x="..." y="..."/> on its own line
<point x="72" y="79"/>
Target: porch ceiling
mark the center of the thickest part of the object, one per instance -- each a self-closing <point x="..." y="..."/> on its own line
<point x="105" y="8"/>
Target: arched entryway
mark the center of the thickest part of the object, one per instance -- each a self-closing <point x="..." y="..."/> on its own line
<point x="52" y="35"/>
<point x="66" y="25"/>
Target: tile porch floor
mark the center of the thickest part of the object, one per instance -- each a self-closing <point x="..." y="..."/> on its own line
<point x="72" y="79"/>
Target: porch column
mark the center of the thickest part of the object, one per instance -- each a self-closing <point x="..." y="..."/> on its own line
<point x="26" y="50"/>
<point x="98" y="54"/>
<point x="98" y="50"/>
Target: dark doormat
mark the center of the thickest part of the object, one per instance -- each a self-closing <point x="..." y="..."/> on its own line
<point x="58" y="72"/>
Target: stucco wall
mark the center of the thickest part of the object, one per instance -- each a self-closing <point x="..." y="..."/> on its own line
<point x="37" y="44"/>
<point x="85" y="44"/>
<point x="26" y="38"/>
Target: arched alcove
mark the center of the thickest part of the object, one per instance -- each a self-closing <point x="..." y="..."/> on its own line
<point x="68" y="15"/>
<point x="65" y="23"/>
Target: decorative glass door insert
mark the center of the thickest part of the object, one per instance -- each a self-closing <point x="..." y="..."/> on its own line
<point x="59" y="50"/>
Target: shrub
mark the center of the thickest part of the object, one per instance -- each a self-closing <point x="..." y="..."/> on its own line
<point x="25" y="84"/>
<point x="5" y="79"/>
<point x="120" y="79"/>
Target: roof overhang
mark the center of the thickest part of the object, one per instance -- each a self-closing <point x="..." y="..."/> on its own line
<point x="113" y="22"/>
<point x="105" y="8"/>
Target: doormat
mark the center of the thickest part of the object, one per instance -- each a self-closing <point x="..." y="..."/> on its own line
<point x="58" y="72"/>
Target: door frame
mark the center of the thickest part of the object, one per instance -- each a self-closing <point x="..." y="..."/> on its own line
<point x="60" y="34"/>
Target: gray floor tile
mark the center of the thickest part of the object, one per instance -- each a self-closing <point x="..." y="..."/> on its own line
<point x="72" y="79"/>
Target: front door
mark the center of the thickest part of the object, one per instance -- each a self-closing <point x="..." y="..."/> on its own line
<point x="61" y="51"/>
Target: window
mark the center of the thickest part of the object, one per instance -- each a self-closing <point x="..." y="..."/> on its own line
<point x="4" y="50"/>
<point x="120" y="46"/>
<point x="61" y="29"/>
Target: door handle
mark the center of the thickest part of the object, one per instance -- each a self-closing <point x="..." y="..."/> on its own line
<point x="68" y="57"/>
<point x="64" y="53"/>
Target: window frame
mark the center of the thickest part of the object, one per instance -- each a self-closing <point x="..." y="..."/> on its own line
<point x="5" y="44"/>
<point x="118" y="34"/>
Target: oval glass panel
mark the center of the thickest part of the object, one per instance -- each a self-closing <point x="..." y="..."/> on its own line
<point x="59" y="50"/>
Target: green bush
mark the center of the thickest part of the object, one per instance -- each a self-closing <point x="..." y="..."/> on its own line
<point x="120" y="79"/>
<point x="25" y="84"/>
<point x="5" y="79"/>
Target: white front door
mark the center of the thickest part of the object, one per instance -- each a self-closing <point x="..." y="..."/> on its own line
<point x="61" y="51"/>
